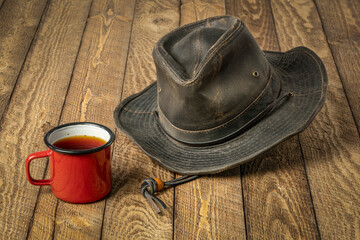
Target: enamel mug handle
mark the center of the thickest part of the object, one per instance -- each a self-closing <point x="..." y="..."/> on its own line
<point x="27" y="165"/>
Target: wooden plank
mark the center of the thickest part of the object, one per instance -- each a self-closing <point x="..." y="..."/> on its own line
<point x="192" y="11"/>
<point x="258" y="18"/>
<point x="19" y="20"/>
<point x="330" y="144"/>
<point x="211" y="206"/>
<point x="341" y="22"/>
<point x="277" y="202"/>
<point x="128" y="214"/>
<point x="36" y="106"/>
<point x="93" y="94"/>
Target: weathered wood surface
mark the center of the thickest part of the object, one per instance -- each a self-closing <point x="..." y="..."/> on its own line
<point x="276" y="198"/>
<point x="341" y="23"/>
<point x="64" y="61"/>
<point x="330" y="145"/>
<point x="17" y="30"/>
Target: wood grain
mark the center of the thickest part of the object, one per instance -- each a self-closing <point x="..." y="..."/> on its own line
<point x="192" y="11"/>
<point x="341" y="23"/>
<point x="36" y="106"/>
<point x="211" y="206"/>
<point x="128" y="214"/>
<point x="17" y="29"/>
<point x="330" y="144"/>
<point x="277" y="201"/>
<point x="92" y="96"/>
<point x="258" y="18"/>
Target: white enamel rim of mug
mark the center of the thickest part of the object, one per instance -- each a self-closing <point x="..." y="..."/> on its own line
<point x="79" y="129"/>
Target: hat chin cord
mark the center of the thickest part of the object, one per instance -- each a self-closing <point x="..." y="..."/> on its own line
<point x="152" y="185"/>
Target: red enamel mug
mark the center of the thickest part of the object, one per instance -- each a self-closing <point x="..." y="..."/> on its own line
<point x="78" y="174"/>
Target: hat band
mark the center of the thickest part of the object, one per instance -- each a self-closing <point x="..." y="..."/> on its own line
<point x="254" y="112"/>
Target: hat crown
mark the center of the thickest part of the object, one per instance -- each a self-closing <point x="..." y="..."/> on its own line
<point x="210" y="73"/>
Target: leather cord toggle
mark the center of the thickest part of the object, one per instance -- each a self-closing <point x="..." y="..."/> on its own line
<point x="152" y="185"/>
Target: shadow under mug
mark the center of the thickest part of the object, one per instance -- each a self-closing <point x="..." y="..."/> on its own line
<point x="77" y="176"/>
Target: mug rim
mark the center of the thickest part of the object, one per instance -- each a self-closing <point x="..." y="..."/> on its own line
<point x="83" y="151"/>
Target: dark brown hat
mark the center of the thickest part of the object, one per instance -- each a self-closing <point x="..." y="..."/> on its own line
<point x="219" y="100"/>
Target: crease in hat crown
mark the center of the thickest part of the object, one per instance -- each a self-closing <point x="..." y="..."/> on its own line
<point x="207" y="88"/>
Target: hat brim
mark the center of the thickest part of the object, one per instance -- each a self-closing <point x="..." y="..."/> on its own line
<point x="300" y="71"/>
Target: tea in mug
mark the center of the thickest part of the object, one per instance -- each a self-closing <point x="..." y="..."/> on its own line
<point x="79" y="142"/>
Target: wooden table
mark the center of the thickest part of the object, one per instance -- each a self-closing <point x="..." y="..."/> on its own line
<point x="64" y="60"/>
